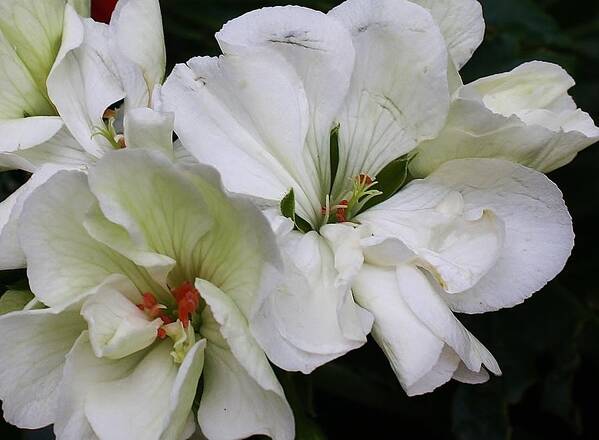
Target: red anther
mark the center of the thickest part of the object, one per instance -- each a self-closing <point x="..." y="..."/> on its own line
<point x="323" y="210"/>
<point x="188" y="300"/>
<point x="140" y="307"/>
<point x="102" y="10"/>
<point x="149" y="300"/>
<point x="340" y="214"/>
<point x="165" y="318"/>
<point x="364" y="179"/>
<point x="161" y="333"/>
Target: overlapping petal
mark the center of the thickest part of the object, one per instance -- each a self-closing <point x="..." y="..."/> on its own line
<point x="147" y="403"/>
<point x="311" y="319"/>
<point x="461" y="23"/>
<point x="398" y="94"/>
<point x="423" y="341"/>
<point x="322" y="54"/>
<point x="241" y="395"/>
<point x="141" y="61"/>
<point x="524" y="115"/>
<point x="528" y="207"/>
<point x="33" y="355"/>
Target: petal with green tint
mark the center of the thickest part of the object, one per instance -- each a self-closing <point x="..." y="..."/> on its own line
<point x="152" y="402"/>
<point x="82" y="370"/>
<point x="179" y="211"/>
<point x="34" y="29"/>
<point x="117" y="328"/>
<point x="12" y="256"/>
<point x="64" y="261"/>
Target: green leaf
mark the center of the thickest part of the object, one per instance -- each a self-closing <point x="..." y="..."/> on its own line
<point x="288" y="205"/>
<point x="390" y="180"/>
<point x="13" y="300"/>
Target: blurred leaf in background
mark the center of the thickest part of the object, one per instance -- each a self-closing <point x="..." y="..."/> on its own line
<point x="548" y="347"/>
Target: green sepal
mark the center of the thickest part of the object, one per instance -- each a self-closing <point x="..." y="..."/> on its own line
<point x="288" y="205"/>
<point x="390" y="180"/>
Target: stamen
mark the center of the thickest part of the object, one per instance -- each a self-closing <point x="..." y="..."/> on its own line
<point x="341" y="214"/>
<point x="188" y="300"/>
<point x="354" y="200"/>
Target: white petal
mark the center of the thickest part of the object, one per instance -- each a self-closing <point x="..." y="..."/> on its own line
<point x="464" y="375"/>
<point x="241" y="395"/>
<point x="225" y="318"/>
<point x="442" y="372"/>
<point x="345" y="241"/>
<point x="32" y="354"/>
<point x="149" y="402"/>
<point x="34" y="148"/>
<point x="12" y="256"/>
<point x="253" y="106"/>
<point x="457" y="245"/>
<point x="425" y="301"/>
<point x="321" y="52"/>
<point x="137" y="43"/>
<point x="411" y="347"/>
<point x="117" y="328"/>
<point x="399" y="89"/>
<point x="311" y="319"/>
<point x="83" y="82"/>
<point x="461" y="23"/>
<point x="524" y="115"/>
<point x="24" y="133"/>
<point x="82" y="370"/>
<point x="182" y="396"/>
<point x="532" y="209"/>
<point x="146" y="128"/>
<point x="63" y="261"/>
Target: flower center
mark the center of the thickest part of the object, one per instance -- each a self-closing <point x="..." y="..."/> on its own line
<point x="108" y="131"/>
<point x="352" y="202"/>
<point x="175" y="321"/>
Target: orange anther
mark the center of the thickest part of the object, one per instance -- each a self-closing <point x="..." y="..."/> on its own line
<point x="364" y="179"/>
<point x="109" y="114"/>
<point x="161" y="333"/>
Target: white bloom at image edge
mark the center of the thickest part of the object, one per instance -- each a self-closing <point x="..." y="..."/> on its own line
<point x="151" y="282"/>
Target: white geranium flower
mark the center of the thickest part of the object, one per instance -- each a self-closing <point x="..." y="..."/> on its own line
<point x="475" y="235"/>
<point x="59" y="74"/>
<point x="151" y="274"/>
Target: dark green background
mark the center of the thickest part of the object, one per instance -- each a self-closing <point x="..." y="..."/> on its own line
<point x="548" y="348"/>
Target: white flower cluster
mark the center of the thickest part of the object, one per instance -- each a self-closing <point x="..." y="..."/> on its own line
<point x="162" y="294"/>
